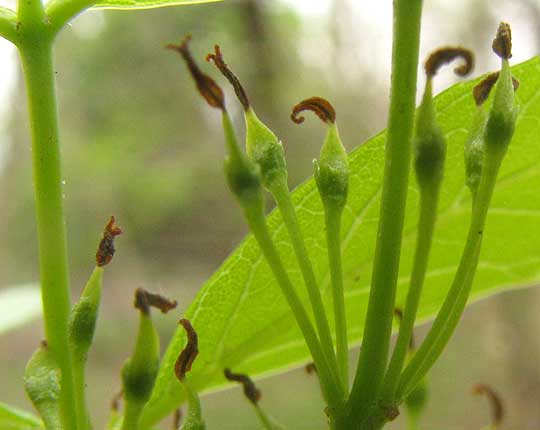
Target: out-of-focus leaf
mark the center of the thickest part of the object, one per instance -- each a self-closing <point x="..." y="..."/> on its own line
<point x="18" y="306"/>
<point x="14" y="419"/>
<point x="146" y="4"/>
<point x="244" y="323"/>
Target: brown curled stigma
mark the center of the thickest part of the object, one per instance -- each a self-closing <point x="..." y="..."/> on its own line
<point x="212" y="92"/>
<point x="502" y="44"/>
<point x="311" y="369"/>
<point x="482" y="90"/>
<point x="189" y="353"/>
<point x="145" y="299"/>
<point x="219" y="62"/>
<point x="105" y="251"/>
<point x="321" y="107"/>
<point x="446" y="55"/>
<point x="115" y="402"/>
<point x="497" y="408"/>
<point x="177" y="419"/>
<point x="398" y="313"/>
<point x="250" y="390"/>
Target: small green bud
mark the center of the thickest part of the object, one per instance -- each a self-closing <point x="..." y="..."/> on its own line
<point x="243" y="175"/>
<point x="263" y="147"/>
<point x="140" y="371"/>
<point x="429" y="141"/>
<point x="502" y="116"/>
<point x="332" y="170"/>
<point x="42" y="385"/>
<point x="84" y="314"/>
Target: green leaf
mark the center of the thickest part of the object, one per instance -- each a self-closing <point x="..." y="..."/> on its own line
<point x="15" y="419"/>
<point x="18" y="306"/>
<point x="243" y="322"/>
<point x="146" y="4"/>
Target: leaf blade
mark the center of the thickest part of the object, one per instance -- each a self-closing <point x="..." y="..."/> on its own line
<point x="146" y="4"/>
<point x="15" y="419"/>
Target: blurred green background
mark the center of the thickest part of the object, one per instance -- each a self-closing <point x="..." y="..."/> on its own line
<point x="139" y="143"/>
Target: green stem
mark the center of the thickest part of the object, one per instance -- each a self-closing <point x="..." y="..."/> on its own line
<point x="265" y="420"/>
<point x="80" y="393"/>
<point x="329" y="382"/>
<point x="426" y="225"/>
<point x="85" y="311"/>
<point x="132" y="416"/>
<point x="456" y="299"/>
<point x="36" y="56"/>
<point x="281" y="194"/>
<point x="333" y="239"/>
<point x="378" y="326"/>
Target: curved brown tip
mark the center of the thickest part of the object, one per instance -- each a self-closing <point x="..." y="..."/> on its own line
<point x="446" y="55"/>
<point x="145" y="299"/>
<point x="219" y="62"/>
<point x="502" y="44"/>
<point x="321" y="107"/>
<point x="497" y="408"/>
<point x="250" y="390"/>
<point x="177" y="418"/>
<point x="311" y="369"/>
<point x="106" y="250"/>
<point x="482" y="90"/>
<point x="115" y="402"/>
<point x="189" y="353"/>
<point x="212" y="92"/>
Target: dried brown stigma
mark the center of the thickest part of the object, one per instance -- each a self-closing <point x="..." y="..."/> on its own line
<point x="177" y="419"/>
<point x="497" y="408"/>
<point x="250" y="390"/>
<point x="321" y="107"/>
<point x="115" y="402"/>
<point x="446" y="55"/>
<point x="105" y="251"/>
<point x="189" y="353"/>
<point x="311" y="368"/>
<point x="145" y="299"/>
<point x="207" y="87"/>
<point x="219" y="62"/>
<point x="398" y="313"/>
<point x="502" y="44"/>
<point x="482" y="90"/>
